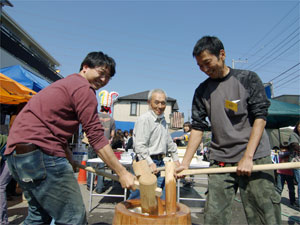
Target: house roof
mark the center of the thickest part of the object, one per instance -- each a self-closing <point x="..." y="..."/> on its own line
<point x="143" y="96"/>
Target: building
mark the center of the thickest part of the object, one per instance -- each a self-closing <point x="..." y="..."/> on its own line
<point x="128" y="108"/>
<point x="19" y="48"/>
<point x="293" y="99"/>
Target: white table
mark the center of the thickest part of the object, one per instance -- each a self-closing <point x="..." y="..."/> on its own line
<point x="125" y="162"/>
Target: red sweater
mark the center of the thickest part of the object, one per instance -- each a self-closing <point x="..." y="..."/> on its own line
<point x="52" y="116"/>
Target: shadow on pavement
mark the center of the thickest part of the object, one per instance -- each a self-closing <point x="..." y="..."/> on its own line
<point x="18" y="215"/>
<point x="191" y="192"/>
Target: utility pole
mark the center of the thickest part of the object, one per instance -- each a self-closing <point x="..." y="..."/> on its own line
<point x="238" y="61"/>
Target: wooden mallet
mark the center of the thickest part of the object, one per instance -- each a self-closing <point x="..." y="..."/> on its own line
<point x="148" y="184"/>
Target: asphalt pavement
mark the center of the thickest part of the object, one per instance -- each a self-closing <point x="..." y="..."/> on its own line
<point x="102" y="212"/>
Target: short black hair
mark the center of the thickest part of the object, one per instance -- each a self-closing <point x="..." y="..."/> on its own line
<point x="96" y="59"/>
<point x="209" y="43"/>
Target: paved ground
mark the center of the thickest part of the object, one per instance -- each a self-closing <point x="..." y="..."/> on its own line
<point x="102" y="212"/>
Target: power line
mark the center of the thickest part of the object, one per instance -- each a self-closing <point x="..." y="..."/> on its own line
<point x="280" y="45"/>
<point x="279" y="55"/>
<point x="295" y="7"/>
<point x="278" y="35"/>
<point x="284" y="72"/>
<point x="287" y="76"/>
<point x="261" y="59"/>
<point x="294" y="78"/>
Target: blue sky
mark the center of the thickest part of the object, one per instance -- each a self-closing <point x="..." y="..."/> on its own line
<point x="152" y="41"/>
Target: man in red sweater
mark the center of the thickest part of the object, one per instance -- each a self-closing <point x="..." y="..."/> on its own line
<point x="37" y="148"/>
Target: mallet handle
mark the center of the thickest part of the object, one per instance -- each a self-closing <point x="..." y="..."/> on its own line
<point x="98" y="172"/>
<point x="158" y="191"/>
<point x="278" y="166"/>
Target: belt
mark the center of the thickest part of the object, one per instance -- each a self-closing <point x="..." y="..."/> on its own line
<point x="25" y="148"/>
<point x="158" y="156"/>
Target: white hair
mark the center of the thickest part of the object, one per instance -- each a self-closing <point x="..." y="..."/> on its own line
<point x="157" y="90"/>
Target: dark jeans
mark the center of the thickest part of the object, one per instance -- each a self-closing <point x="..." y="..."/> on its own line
<point x="281" y="178"/>
<point x="50" y="187"/>
<point x="297" y="177"/>
<point x="100" y="182"/>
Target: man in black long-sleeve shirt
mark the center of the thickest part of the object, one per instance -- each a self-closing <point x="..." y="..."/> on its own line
<point x="236" y="105"/>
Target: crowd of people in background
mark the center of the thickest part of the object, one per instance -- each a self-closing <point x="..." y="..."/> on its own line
<point x="290" y="153"/>
<point x="122" y="139"/>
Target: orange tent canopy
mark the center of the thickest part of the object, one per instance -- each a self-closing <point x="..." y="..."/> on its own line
<point x="12" y="92"/>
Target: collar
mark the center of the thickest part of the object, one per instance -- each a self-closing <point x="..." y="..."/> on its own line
<point x="226" y="77"/>
<point x="157" y="118"/>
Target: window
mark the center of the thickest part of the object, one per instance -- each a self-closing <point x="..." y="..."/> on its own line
<point x="133" y="108"/>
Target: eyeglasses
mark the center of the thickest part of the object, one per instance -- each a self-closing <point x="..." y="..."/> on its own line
<point x="103" y="73"/>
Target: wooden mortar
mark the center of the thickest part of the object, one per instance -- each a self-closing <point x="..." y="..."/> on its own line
<point x="123" y="215"/>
